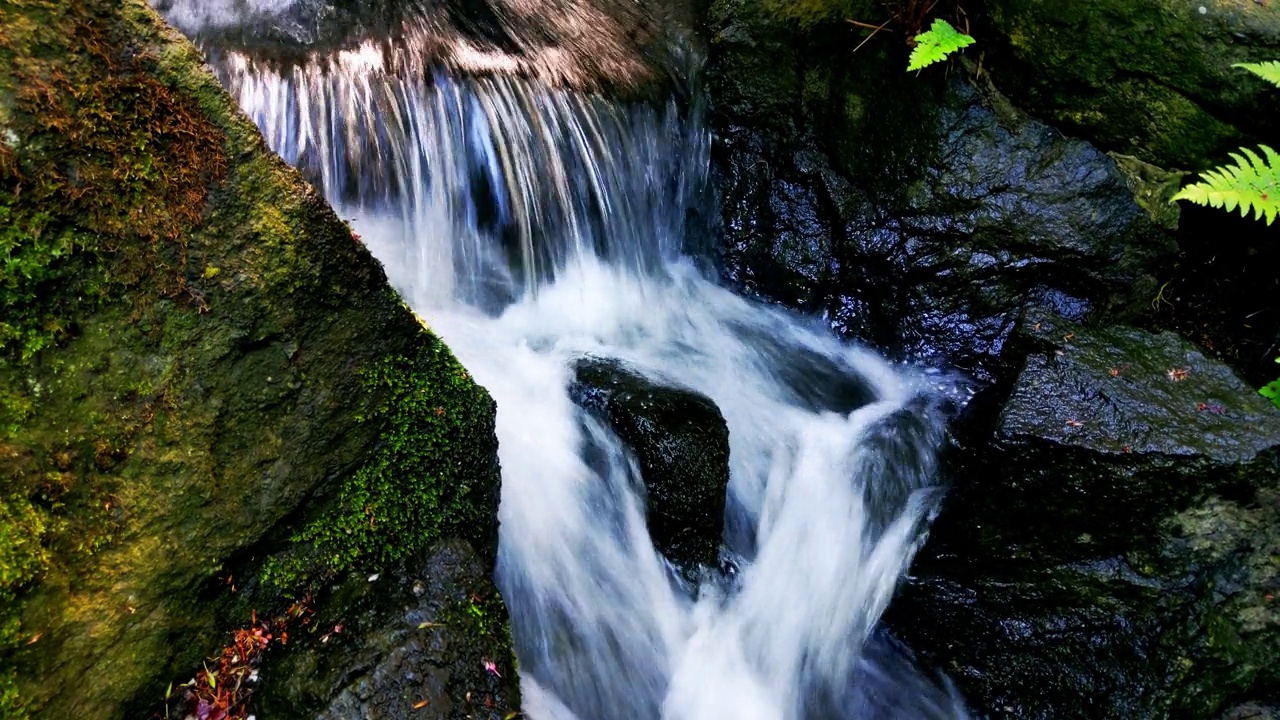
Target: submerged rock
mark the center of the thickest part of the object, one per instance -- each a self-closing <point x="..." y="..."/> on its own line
<point x="1109" y="549"/>
<point x="412" y="641"/>
<point x="198" y="362"/>
<point x="681" y="444"/>
<point x="920" y="214"/>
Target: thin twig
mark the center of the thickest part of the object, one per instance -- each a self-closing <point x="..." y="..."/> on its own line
<point x="859" y="23"/>
<point x="873" y="34"/>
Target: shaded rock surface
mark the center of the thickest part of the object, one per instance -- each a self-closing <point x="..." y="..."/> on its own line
<point x="920" y="214"/>
<point x="411" y="641"/>
<point x="681" y="444"/>
<point x="1149" y="78"/>
<point x="1109" y="549"/>
<point x="586" y="44"/>
<point x="197" y="361"/>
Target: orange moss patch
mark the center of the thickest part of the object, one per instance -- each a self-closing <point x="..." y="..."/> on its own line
<point x="98" y="156"/>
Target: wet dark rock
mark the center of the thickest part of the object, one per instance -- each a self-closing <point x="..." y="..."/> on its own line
<point x="1109" y="547"/>
<point x="1150" y="78"/>
<point x="815" y="380"/>
<point x="924" y="214"/>
<point x="681" y="444"/>
<point x="410" y="642"/>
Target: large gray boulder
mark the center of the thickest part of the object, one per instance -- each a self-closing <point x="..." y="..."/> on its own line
<point x="1109" y="548"/>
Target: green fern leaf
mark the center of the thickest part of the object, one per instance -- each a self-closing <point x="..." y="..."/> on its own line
<point x="1250" y="184"/>
<point x="1271" y="390"/>
<point x="935" y="45"/>
<point x="1269" y="71"/>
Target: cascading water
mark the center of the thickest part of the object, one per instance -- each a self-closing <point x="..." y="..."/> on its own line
<point x="531" y="226"/>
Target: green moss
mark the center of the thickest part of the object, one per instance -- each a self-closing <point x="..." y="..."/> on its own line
<point x="187" y="332"/>
<point x="1148" y="78"/>
<point x="22" y="558"/>
<point x="483" y="618"/>
<point x="413" y="490"/>
<point x="811" y="12"/>
<point x="102" y="170"/>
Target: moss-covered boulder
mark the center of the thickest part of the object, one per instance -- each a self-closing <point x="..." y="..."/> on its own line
<point x="681" y="444"/>
<point x="1109" y="549"/>
<point x="200" y="369"/>
<point x="1149" y="78"/>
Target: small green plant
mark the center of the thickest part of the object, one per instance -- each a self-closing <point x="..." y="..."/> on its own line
<point x="1271" y="390"/>
<point x="1249" y="184"/>
<point x="1269" y="71"/>
<point x="937" y="45"/>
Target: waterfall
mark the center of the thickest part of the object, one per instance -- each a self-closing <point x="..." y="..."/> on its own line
<point x="533" y="222"/>
<point x="478" y="188"/>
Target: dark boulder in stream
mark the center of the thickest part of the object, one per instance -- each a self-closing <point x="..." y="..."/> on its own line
<point x="681" y="444"/>
<point x="1109" y="549"/>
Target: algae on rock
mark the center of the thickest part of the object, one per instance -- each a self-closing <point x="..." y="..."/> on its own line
<point x="1149" y="78"/>
<point x="188" y="332"/>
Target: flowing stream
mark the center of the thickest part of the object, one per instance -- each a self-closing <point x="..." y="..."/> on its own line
<point x="531" y="226"/>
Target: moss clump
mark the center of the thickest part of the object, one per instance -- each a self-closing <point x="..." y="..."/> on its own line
<point x="21" y="560"/>
<point x="1148" y="78"/>
<point x="482" y="617"/>
<point x="102" y="167"/>
<point x="420" y="484"/>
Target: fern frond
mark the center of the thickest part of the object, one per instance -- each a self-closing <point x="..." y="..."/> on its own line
<point x="1269" y="71"/>
<point x="1250" y="184"/>
<point x="1271" y="390"/>
<point x="940" y="41"/>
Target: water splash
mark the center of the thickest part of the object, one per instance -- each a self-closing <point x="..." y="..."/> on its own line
<point x="531" y="225"/>
<point x="837" y="503"/>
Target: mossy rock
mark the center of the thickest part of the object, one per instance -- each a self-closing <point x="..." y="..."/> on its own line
<point x="200" y="366"/>
<point x="411" y="641"/>
<point x="1148" y="78"/>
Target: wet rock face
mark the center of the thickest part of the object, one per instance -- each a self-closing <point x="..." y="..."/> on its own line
<point x="919" y="214"/>
<point x="411" y="642"/>
<point x="681" y="444"/>
<point x="1110" y="540"/>
<point x="1123" y="425"/>
<point x="1150" y="78"/>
